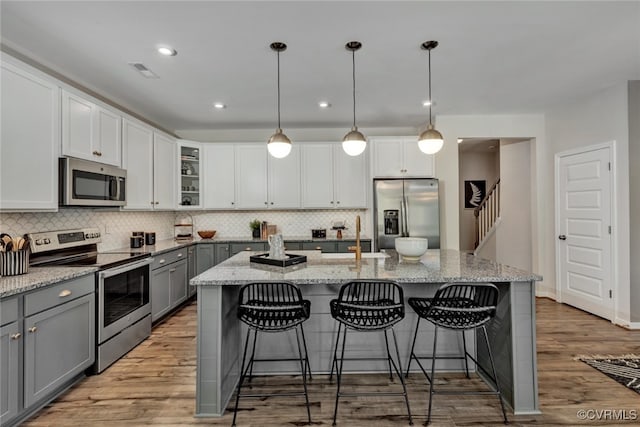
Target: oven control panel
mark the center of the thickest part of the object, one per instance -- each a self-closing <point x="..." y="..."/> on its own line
<point x="54" y="240"/>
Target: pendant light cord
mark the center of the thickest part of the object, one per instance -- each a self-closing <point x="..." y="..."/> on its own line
<point x="430" y="100"/>
<point x="279" y="89"/>
<point x="353" y="63"/>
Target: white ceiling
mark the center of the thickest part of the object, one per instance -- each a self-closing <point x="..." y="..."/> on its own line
<point x="493" y="58"/>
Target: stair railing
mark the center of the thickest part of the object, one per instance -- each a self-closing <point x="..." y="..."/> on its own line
<point x="487" y="212"/>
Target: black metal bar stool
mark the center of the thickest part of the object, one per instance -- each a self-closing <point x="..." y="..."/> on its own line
<point x="367" y="306"/>
<point x="273" y="307"/>
<point x="462" y="307"/>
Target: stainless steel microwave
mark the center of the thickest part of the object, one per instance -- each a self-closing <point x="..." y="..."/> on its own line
<point x="85" y="183"/>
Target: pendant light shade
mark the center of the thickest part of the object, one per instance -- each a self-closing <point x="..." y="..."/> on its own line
<point x="430" y="141"/>
<point x="279" y="145"/>
<point x="354" y="142"/>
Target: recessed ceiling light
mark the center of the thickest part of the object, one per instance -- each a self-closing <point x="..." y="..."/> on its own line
<point x="219" y="105"/>
<point x="324" y="104"/>
<point x="460" y="140"/>
<point x="167" y="51"/>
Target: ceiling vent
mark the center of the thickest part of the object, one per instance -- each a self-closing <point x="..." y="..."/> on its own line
<point x="142" y="69"/>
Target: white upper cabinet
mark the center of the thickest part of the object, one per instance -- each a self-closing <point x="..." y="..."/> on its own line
<point x="190" y="173"/>
<point x="149" y="158"/>
<point x="331" y="178"/>
<point x="137" y="159"/>
<point x="284" y="180"/>
<point x="90" y="131"/>
<point x="30" y="126"/>
<point x="164" y="172"/>
<point x="251" y="176"/>
<point x="219" y="189"/>
<point x="400" y="157"/>
<point x="264" y="182"/>
<point x="350" y="179"/>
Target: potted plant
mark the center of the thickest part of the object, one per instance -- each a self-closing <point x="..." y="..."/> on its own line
<point x="255" y="228"/>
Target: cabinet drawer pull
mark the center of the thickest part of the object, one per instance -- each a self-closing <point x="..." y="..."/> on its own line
<point x="16" y="336"/>
<point x="33" y="329"/>
<point x="161" y="261"/>
<point x="318" y="248"/>
<point x="180" y="255"/>
<point x="64" y="293"/>
<point x="172" y="270"/>
<point x="247" y="248"/>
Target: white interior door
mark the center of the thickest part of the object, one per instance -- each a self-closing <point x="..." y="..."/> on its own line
<point x="583" y="246"/>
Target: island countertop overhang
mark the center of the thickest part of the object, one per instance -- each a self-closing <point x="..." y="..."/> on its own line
<point x="436" y="266"/>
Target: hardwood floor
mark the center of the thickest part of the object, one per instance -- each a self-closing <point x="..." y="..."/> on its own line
<point x="155" y="385"/>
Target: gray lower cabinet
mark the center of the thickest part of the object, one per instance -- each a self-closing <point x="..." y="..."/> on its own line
<point x="47" y="340"/>
<point x="58" y="343"/>
<point x="168" y="282"/>
<point x="236" y="248"/>
<point x="192" y="268"/>
<point x="321" y="246"/>
<point x="206" y="257"/>
<point x="10" y="341"/>
<point x="222" y="252"/>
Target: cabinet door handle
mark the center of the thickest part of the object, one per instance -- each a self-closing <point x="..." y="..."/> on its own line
<point x="266" y="203"/>
<point x="247" y="248"/>
<point x="152" y="202"/>
<point x="16" y="336"/>
<point x="64" y="293"/>
<point x="233" y="203"/>
<point x="319" y="248"/>
<point x="338" y="202"/>
<point x="33" y="329"/>
<point x="562" y="237"/>
<point x="180" y="255"/>
<point x="157" y="203"/>
<point x="332" y="202"/>
<point x="271" y="202"/>
<point x="96" y="153"/>
<point x="172" y="270"/>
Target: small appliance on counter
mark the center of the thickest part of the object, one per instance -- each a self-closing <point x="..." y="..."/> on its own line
<point x="338" y="226"/>
<point x="319" y="233"/>
<point x="150" y="238"/>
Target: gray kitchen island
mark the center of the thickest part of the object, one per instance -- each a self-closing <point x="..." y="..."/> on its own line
<point x="512" y="332"/>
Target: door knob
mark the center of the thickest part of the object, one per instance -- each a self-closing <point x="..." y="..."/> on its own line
<point x="562" y="237"/>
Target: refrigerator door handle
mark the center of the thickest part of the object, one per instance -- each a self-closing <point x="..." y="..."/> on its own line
<point x="403" y="218"/>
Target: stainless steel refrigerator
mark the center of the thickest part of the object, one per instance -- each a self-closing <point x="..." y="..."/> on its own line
<point x="405" y="208"/>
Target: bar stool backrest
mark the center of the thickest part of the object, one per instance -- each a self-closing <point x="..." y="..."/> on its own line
<point x="272" y="306"/>
<point x="369" y="304"/>
<point x="463" y="305"/>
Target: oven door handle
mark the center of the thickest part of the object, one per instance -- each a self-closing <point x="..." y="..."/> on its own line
<point x="119" y="270"/>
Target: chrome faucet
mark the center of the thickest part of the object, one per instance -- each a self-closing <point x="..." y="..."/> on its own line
<point x="357" y="248"/>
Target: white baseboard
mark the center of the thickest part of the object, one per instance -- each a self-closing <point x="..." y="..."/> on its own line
<point x="632" y="325"/>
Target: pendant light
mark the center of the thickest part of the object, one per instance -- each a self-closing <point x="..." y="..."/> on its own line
<point x="354" y="142"/>
<point x="279" y="145"/>
<point x="430" y="141"/>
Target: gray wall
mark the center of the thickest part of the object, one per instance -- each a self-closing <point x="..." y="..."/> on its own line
<point x="634" y="195"/>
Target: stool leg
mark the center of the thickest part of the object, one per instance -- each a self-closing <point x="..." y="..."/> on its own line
<point x="334" y="363"/>
<point x="386" y="342"/>
<point x="253" y="354"/>
<point x="306" y="353"/>
<point x="242" y="376"/>
<point x="303" y="371"/>
<point x="433" y="372"/>
<point x="339" y="374"/>
<point x="495" y="376"/>
<point x="464" y="346"/>
<point x="399" y="372"/>
<point x="413" y="346"/>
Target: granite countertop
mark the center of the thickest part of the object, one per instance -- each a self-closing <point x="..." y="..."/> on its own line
<point x="435" y="266"/>
<point x="39" y="277"/>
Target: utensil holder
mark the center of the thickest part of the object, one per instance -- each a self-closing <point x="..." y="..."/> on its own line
<point x="13" y="263"/>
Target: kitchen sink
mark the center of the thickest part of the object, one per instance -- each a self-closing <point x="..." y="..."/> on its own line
<point x="348" y="255"/>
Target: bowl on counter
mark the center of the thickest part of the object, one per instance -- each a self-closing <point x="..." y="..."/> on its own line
<point x="411" y="248"/>
<point x="207" y="234"/>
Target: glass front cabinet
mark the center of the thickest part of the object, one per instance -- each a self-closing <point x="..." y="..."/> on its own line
<point x="190" y="168"/>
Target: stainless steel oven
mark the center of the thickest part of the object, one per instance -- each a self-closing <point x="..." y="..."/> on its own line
<point x="85" y="183"/>
<point x="124" y="310"/>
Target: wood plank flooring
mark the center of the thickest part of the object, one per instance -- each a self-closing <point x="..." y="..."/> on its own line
<point x="155" y="385"/>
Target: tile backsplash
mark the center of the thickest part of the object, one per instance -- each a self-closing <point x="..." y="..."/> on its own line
<point x="116" y="226"/>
